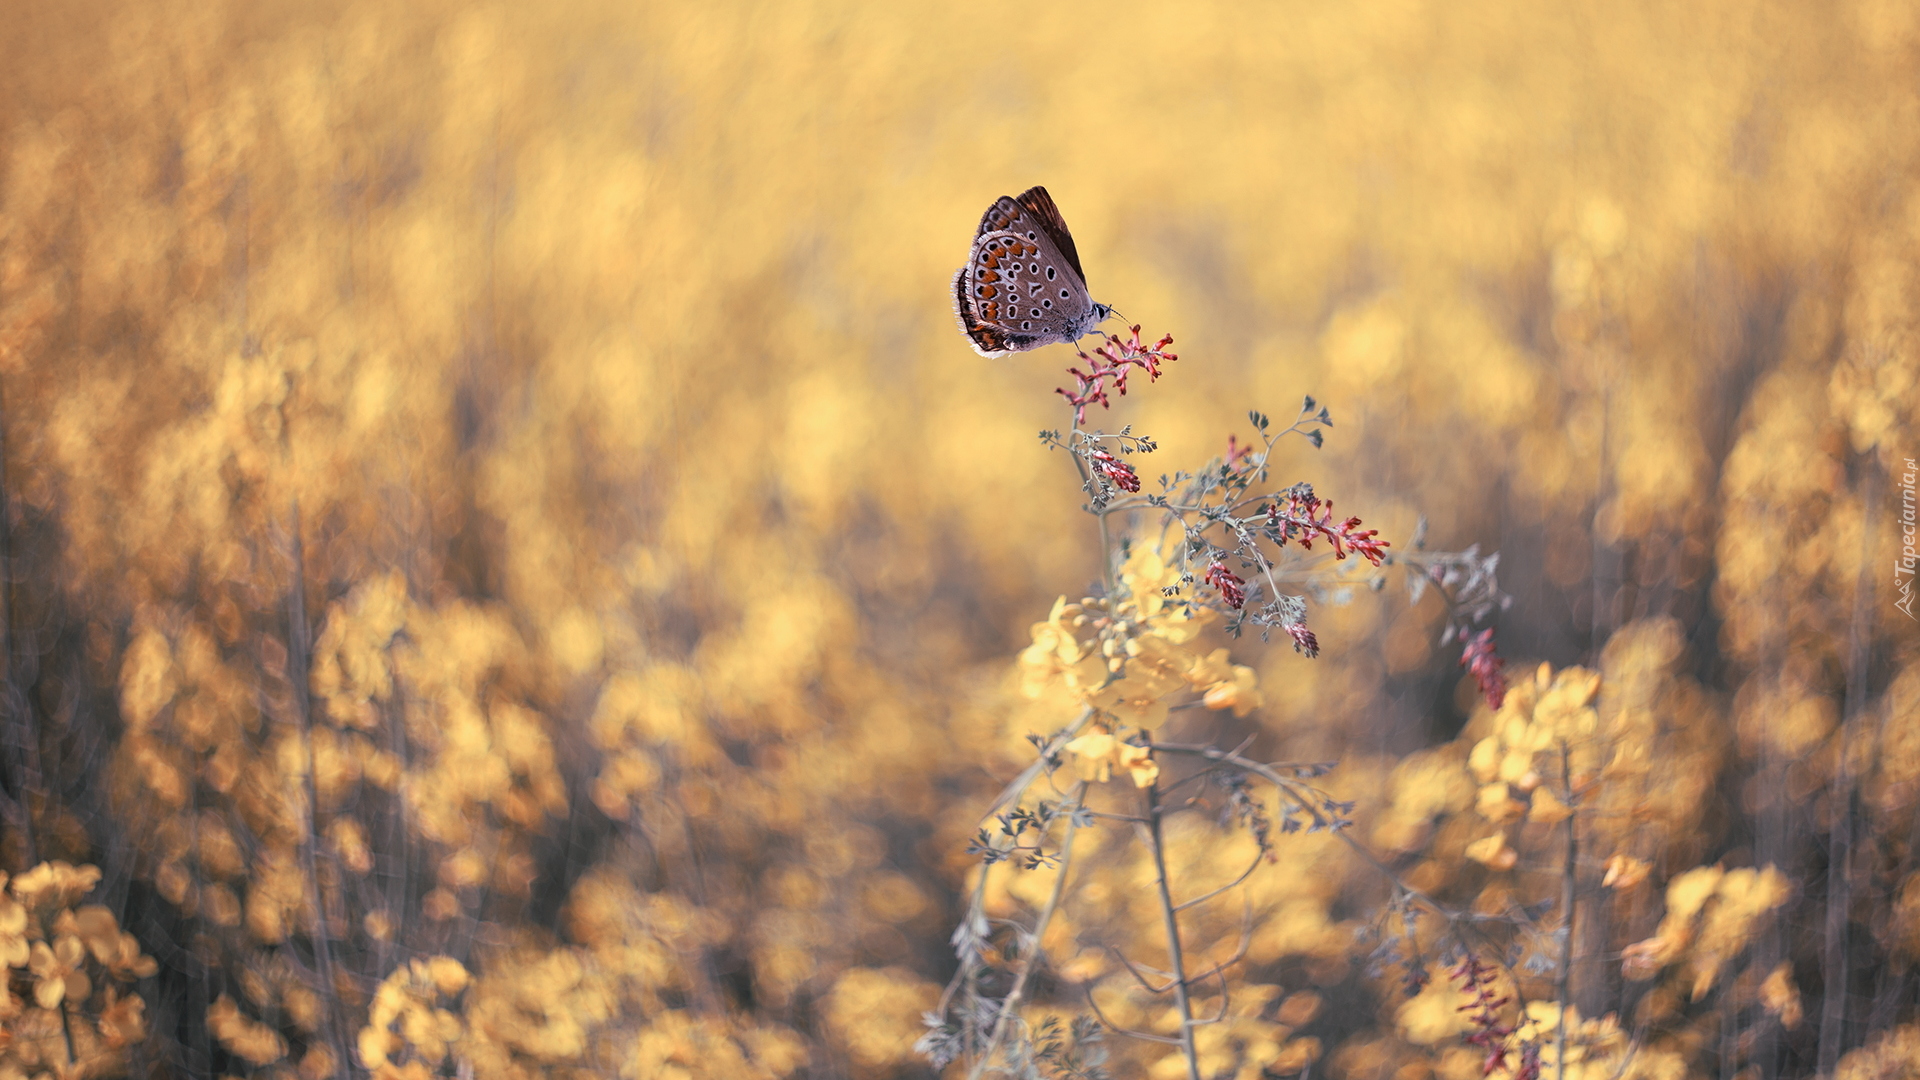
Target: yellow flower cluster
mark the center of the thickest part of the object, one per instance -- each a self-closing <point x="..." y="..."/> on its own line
<point x="682" y="1045"/>
<point x="1593" y="1045"/>
<point x="1711" y="916"/>
<point x="408" y="1032"/>
<point x="1127" y="658"/>
<point x="1098" y="753"/>
<point x="477" y="756"/>
<point x="243" y="1036"/>
<point x="617" y="996"/>
<point x="1540" y="719"/>
<point x="639" y="717"/>
<point x="1890" y="1055"/>
<point x="54" y="955"/>
<point x="874" y="1015"/>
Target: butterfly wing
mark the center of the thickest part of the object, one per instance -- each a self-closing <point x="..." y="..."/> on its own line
<point x="1024" y="291"/>
<point x="988" y="339"/>
<point x="1022" y="286"/>
<point x="1032" y="210"/>
<point x="1041" y="204"/>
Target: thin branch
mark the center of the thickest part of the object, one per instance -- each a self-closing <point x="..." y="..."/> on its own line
<point x="1172" y="923"/>
<point x="1019" y="784"/>
<point x="1293" y="789"/>
<point x="1226" y="996"/>
<point x="1240" y="951"/>
<point x="1569" y="880"/>
<point x="1258" y="858"/>
<point x="1128" y="1032"/>
<point x="299" y="658"/>
<point x="1134" y="970"/>
<point x="1835" y="972"/>
<point x="1128" y="818"/>
<point x="1011" y="1004"/>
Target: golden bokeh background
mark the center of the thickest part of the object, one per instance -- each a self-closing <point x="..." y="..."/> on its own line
<point x="663" y="551"/>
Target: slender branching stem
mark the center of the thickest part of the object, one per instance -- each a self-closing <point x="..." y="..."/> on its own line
<point x="1009" y="1008"/>
<point x="1568" y="882"/>
<point x="1171" y="919"/>
<point x="299" y="657"/>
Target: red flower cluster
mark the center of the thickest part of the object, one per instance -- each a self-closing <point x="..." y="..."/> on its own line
<point x="1304" y="516"/>
<point x="1485" y="664"/>
<point x="1489" y="1034"/>
<point x="1233" y="587"/>
<point x="1119" y="472"/>
<point x="1109" y="364"/>
<point x="1303" y="639"/>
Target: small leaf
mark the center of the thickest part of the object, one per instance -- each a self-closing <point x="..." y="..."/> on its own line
<point x="1316" y="438"/>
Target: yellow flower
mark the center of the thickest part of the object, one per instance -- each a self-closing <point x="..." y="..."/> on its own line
<point x="1211" y="668"/>
<point x="1624" y="872"/>
<point x="100" y="932"/>
<point x="1099" y="752"/>
<point x="55" y="884"/>
<point x="1145" y="575"/>
<point x="1238" y="693"/>
<point x="123" y="1019"/>
<point x="57" y="972"/>
<point x="1643" y="959"/>
<point x="1497" y="804"/>
<point x="1094" y="754"/>
<point x="1493" y="852"/>
<point x="13" y="934"/>
<point x="1138" y="761"/>
<point x="1057" y="652"/>
<point x="1547" y="809"/>
<point x="248" y="1038"/>
<point x="1779" y="996"/>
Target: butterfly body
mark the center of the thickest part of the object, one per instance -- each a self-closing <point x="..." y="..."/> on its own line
<point x="1022" y="286"/>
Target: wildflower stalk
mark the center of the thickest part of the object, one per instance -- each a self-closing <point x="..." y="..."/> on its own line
<point x="1841" y="840"/>
<point x="299" y="660"/>
<point x="1171" y="919"/>
<point x="22" y="763"/>
<point x="1009" y="1007"/>
<point x="1100" y="512"/>
<point x="1567" y="886"/>
<point x="66" y="1032"/>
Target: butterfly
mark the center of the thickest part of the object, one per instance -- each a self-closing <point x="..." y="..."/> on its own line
<point x="1022" y="286"/>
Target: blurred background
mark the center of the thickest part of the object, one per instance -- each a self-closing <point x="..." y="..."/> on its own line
<point x="503" y="482"/>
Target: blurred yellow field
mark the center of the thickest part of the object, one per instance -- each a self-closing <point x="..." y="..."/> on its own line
<point x="514" y="570"/>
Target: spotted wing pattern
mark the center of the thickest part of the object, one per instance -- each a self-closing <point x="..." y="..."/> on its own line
<point x="1040" y="203"/>
<point x="1022" y="286"/>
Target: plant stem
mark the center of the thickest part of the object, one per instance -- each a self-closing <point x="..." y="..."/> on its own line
<point x="20" y="778"/>
<point x="1567" y="884"/>
<point x="1836" y="967"/>
<point x="1011" y="1004"/>
<point x="1106" y="563"/>
<point x="1172" y="921"/>
<point x="1106" y="540"/>
<point x="299" y="659"/>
